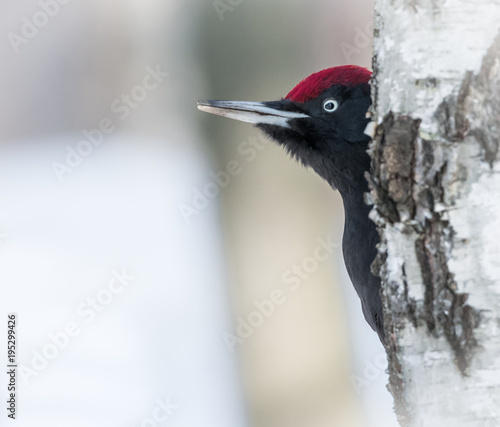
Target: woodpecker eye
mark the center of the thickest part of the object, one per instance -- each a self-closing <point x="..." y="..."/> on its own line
<point x="330" y="105"/>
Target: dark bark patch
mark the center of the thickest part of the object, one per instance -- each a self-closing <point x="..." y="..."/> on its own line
<point x="474" y="111"/>
<point x="452" y="112"/>
<point x="443" y="305"/>
<point x="428" y="82"/>
<point x="393" y="153"/>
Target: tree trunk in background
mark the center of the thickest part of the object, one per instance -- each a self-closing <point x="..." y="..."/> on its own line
<point x="436" y="188"/>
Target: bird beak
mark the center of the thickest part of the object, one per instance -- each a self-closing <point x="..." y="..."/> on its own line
<point x="251" y="112"/>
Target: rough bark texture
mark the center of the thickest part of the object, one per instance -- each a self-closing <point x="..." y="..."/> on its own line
<point x="435" y="183"/>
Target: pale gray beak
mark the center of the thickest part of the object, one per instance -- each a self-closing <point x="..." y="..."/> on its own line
<point x="251" y="112"/>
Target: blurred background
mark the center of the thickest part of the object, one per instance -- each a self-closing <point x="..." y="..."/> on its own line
<point x="150" y="251"/>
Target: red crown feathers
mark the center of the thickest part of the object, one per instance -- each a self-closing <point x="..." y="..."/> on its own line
<point x="312" y="86"/>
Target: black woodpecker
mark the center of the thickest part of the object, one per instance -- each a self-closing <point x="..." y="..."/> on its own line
<point x="321" y="123"/>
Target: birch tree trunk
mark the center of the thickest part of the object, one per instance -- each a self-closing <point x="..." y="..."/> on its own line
<point x="436" y="187"/>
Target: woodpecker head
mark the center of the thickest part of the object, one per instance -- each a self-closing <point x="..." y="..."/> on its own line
<point x="321" y="122"/>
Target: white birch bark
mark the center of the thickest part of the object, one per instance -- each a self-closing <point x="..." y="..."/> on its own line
<point x="436" y="188"/>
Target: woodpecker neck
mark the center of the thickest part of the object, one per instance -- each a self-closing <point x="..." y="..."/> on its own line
<point x="344" y="166"/>
<point x="357" y="213"/>
<point x="359" y="247"/>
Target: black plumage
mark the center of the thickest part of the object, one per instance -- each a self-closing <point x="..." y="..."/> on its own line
<point x="321" y="123"/>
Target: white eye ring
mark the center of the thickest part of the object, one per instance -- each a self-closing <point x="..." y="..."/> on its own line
<point x="330" y="105"/>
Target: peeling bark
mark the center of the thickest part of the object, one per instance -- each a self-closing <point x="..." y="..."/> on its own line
<point x="435" y="184"/>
